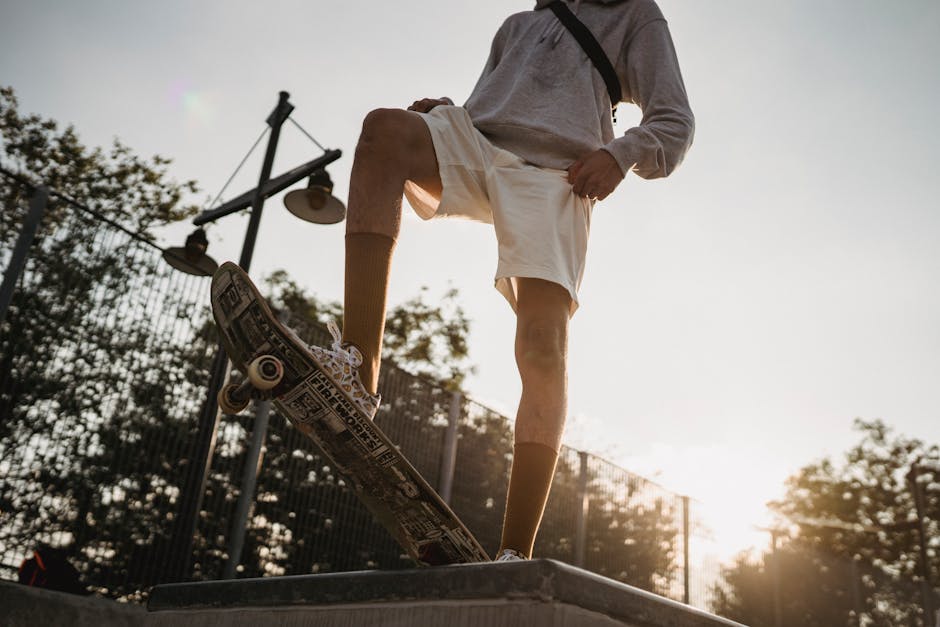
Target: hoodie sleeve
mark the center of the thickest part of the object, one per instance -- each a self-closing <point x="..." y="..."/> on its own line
<point x="654" y="83"/>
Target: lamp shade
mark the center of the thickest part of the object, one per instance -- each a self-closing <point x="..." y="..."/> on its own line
<point x="192" y="257"/>
<point x="316" y="203"/>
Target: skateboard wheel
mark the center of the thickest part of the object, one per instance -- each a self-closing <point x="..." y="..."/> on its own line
<point x="227" y="401"/>
<point x="265" y="372"/>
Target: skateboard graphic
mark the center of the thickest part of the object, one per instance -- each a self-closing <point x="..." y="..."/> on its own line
<point x="278" y="366"/>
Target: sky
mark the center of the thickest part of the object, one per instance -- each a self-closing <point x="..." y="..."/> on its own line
<point x="735" y="317"/>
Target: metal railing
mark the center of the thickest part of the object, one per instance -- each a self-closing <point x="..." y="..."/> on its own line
<point x="796" y="584"/>
<point x="102" y="353"/>
<point x="104" y="361"/>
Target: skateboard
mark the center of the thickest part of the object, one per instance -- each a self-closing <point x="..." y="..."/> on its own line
<point x="279" y="367"/>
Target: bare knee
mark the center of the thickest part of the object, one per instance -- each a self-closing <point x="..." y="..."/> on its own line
<point x="386" y="131"/>
<point x="542" y="347"/>
<point x="541" y="354"/>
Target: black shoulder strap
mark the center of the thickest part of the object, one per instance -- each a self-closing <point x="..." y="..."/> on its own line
<point x="592" y="48"/>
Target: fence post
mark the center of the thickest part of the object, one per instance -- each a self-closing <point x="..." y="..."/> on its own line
<point x="778" y="601"/>
<point x="925" y="587"/>
<point x="449" y="453"/>
<point x="685" y="550"/>
<point x="580" y="538"/>
<point x="37" y="207"/>
<point x="856" y="595"/>
<point x="247" y="493"/>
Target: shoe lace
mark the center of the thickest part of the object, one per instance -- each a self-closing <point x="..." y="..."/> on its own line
<point x="510" y="554"/>
<point x="344" y="351"/>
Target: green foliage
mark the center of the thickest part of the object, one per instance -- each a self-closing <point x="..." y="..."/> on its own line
<point x="285" y="295"/>
<point x="85" y="389"/>
<point x="115" y="182"/>
<point x="484" y="459"/>
<point x="429" y="340"/>
<point x="103" y="361"/>
<point x="814" y="592"/>
<point x="854" y="542"/>
<point x="104" y="358"/>
<point x="631" y="534"/>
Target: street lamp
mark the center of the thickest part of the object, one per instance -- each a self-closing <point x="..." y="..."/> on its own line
<point x="316" y="203"/>
<point x="192" y="259"/>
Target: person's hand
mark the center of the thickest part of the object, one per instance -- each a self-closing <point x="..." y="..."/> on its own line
<point x="426" y="104"/>
<point x="595" y="176"/>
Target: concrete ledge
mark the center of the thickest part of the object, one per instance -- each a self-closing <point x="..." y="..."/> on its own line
<point x="539" y="592"/>
<point x="22" y="606"/>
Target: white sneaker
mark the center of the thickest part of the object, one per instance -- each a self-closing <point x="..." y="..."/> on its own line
<point x="341" y="364"/>
<point x="510" y="555"/>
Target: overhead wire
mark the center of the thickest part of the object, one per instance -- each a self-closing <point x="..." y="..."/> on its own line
<point x="238" y="169"/>
<point x="304" y="131"/>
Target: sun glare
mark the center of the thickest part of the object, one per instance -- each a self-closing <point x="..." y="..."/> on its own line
<point x="729" y="491"/>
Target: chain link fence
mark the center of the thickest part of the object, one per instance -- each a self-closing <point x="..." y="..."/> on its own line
<point x="102" y="353"/>
<point x="104" y="362"/>
<point x="105" y="354"/>
<point x="795" y="584"/>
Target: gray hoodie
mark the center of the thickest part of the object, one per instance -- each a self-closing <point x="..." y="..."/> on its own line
<point x="541" y="98"/>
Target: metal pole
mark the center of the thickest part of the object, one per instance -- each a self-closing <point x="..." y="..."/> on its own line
<point x="685" y="550"/>
<point x="195" y="487"/>
<point x="778" y="606"/>
<point x="580" y="537"/>
<point x="272" y="187"/>
<point x="925" y="587"/>
<point x="449" y="454"/>
<point x="37" y="207"/>
<point x="275" y="121"/>
<point x="181" y="544"/>
<point x="247" y="493"/>
<point x="856" y="594"/>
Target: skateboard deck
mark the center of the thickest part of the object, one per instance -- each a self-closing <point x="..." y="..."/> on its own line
<point x="279" y="367"/>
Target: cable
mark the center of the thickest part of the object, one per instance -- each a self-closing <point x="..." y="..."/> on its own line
<point x="309" y="136"/>
<point x="235" y="173"/>
<point x="25" y="182"/>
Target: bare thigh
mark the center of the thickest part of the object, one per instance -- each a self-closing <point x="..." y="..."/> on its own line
<point x="427" y="172"/>
<point x="395" y="146"/>
<point x="542" y="303"/>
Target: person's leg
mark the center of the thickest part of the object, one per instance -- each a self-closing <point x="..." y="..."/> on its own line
<point x="394" y="146"/>
<point x="543" y="311"/>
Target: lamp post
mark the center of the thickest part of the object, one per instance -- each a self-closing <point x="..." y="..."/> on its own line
<point x="775" y="574"/>
<point x="196" y="262"/>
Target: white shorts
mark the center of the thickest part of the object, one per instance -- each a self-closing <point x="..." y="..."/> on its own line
<point x="541" y="225"/>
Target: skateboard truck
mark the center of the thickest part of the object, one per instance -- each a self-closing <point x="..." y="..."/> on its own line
<point x="263" y="374"/>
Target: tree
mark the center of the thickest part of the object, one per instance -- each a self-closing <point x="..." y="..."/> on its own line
<point x="630" y="534"/>
<point x="104" y="358"/>
<point x="305" y="494"/>
<point x="428" y="340"/>
<point x="116" y="182"/>
<point x="74" y="393"/>
<point x="631" y="537"/>
<point x="854" y="537"/>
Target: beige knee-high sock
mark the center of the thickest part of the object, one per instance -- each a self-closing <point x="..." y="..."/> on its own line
<point x="368" y="264"/>
<point x="533" y="468"/>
